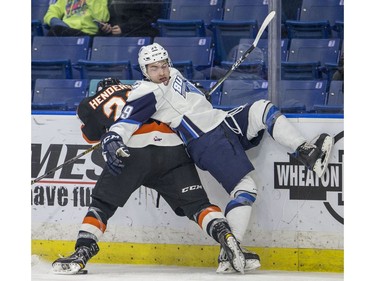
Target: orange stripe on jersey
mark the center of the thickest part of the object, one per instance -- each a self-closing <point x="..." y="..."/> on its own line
<point x="205" y="212"/>
<point x="95" y="222"/>
<point x="147" y="128"/>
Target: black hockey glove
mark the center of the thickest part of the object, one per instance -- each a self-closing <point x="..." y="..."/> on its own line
<point x="114" y="152"/>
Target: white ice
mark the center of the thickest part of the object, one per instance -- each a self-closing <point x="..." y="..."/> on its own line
<point x="41" y="271"/>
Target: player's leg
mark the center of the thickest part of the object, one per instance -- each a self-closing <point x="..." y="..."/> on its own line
<point x="227" y="161"/>
<point x="314" y="155"/>
<point x="93" y="226"/>
<point x="238" y="213"/>
<point x="109" y="193"/>
<point x="212" y="220"/>
<point x="183" y="191"/>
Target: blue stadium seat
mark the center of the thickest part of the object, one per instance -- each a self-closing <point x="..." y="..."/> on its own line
<point x="38" y="11"/>
<point x="58" y="94"/>
<point x="301" y="96"/>
<point x="205" y="10"/>
<point x="197" y="49"/>
<point x="308" y="57"/>
<point x="39" y="8"/>
<point x="317" y="19"/>
<point x="51" y="69"/>
<point x="315" y="10"/>
<point x="54" y="57"/>
<point x="335" y="99"/>
<point x="238" y="92"/>
<point x="308" y="29"/>
<point x="227" y="35"/>
<point x="190" y="18"/>
<point x="322" y="50"/>
<point x="181" y="28"/>
<point x="99" y="69"/>
<point x="246" y="10"/>
<point x="300" y="70"/>
<point x="113" y="56"/>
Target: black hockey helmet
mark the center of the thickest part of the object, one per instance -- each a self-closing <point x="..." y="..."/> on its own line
<point x="107" y="82"/>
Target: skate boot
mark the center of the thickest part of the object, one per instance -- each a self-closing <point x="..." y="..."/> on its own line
<point x="252" y="262"/>
<point x="75" y="263"/>
<point x="229" y="246"/>
<point x="315" y="156"/>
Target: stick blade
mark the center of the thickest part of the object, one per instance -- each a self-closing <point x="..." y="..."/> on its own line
<point x="264" y="25"/>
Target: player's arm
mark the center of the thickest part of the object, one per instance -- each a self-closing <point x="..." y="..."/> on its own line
<point x="91" y="129"/>
<point x="138" y="110"/>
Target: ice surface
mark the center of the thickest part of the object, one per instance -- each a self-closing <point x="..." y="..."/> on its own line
<point x="41" y="271"/>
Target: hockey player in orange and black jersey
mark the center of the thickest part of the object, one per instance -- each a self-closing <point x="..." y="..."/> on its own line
<point x="154" y="157"/>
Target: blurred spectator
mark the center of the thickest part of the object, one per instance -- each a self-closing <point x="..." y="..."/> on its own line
<point x="133" y="18"/>
<point x="76" y="17"/>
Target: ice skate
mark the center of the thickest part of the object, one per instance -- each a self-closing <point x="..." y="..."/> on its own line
<point x="75" y="263"/>
<point x="252" y="262"/>
<point x="315" y="156"/>
<point x="229" y="245"/>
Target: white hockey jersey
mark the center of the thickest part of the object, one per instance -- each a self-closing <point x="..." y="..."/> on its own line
<point x="179" y="104"/>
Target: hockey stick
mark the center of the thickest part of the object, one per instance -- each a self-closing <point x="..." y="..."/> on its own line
<point x="265" y="23"/>
<point x="66" y="163"/>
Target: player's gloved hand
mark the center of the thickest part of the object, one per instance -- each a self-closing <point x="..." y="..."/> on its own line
<point x="114" y="151"/>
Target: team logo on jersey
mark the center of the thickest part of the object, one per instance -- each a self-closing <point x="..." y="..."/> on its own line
<point x="182" y="86"/>
<point x="156" y="138"/>
<point x="178" y="86"/>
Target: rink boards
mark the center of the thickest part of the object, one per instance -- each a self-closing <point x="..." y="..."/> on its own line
<point x="297" y="221"/>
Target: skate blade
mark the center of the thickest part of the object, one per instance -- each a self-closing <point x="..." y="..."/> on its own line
<point x="225" y="267"/>
<point x="238" y="261"/>
<point x="68" y="269"/>
<point x="320" y="166"/>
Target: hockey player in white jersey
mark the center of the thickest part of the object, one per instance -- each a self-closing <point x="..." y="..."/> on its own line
<point x="215" y="139"/>
<point x="156" y="158"/>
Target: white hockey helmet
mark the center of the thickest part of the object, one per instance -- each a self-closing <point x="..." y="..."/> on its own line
<point x="150" y="54"/>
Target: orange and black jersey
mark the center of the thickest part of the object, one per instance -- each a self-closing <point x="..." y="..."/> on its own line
<point x="99" y="112"/>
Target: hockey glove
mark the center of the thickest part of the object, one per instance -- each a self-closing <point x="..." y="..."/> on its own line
<point x="114" y="151"/>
